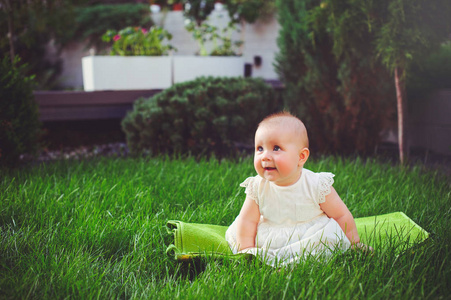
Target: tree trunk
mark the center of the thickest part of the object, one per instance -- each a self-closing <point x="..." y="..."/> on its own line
<point x="402" y="116"/>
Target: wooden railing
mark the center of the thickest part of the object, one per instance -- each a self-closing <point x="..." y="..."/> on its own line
<point x="69" y="106"/>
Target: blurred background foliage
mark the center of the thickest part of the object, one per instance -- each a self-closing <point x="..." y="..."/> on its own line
<point x="29" y="27"/>
<point x="20" y="128"/>
<point x="335" y="57"/>
<point x="337" y="60"/>
<point x="343" y="96"/>
<point x="431" y="72"/>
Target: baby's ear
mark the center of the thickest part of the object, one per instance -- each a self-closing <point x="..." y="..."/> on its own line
<point x="303" y="156"/>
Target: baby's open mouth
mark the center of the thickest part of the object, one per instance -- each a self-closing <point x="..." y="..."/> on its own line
<point x="269" y="168"/>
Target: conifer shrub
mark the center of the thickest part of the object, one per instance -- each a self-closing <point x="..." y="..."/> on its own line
<point x="209" y="115"/>
<point x="332" y="80"/>
<point x="19" y="120"/>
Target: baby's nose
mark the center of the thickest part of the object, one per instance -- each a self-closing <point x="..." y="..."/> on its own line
<point x="266" y="156"/>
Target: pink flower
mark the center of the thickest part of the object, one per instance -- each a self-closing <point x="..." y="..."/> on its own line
<point x="143" y="30"/>
<point x="116" y="37"/>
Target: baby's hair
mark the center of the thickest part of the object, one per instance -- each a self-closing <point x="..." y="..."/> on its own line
<point x="279" y="114"/>
<point x="286" y="118"/>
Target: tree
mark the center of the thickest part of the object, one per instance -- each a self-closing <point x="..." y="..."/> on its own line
<point x="405" y="31"/>
<point x="361" y="35"/>
<point x="331" y="81"/>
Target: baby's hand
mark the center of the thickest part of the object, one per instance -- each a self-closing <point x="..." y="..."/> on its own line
<point x="245" y="250"/>
<point x="362" y="247"/>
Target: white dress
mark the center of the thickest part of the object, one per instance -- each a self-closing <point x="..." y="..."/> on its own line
<point x="292" y="224"/>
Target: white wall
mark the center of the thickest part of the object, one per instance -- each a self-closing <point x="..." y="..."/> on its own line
<point x="259" y="39"/>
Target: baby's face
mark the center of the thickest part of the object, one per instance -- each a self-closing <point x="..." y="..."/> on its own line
<point x="277" y="154"/>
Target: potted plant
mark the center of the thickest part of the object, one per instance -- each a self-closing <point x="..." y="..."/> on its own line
<point x="139" y="60"/>
<point x="218" y="54"/>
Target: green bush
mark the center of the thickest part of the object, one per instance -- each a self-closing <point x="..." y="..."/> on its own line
<point x="19" y="121"/>
<point x="204" y="116"/>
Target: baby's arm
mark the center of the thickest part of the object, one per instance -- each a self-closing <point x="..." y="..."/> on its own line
<point x="335" y="208"/>
<point x="247" y="222"/>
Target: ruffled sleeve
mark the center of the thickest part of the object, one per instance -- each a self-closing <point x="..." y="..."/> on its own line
<point x="251" y="188"/>
<point x="326" y="180"/>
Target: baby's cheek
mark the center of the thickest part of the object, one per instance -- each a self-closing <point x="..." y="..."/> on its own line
<point x="257" y="165"/>
<point x="287" y="167"/>
<point x="283" y="167"/>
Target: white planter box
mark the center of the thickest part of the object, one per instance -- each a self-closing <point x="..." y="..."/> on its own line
<point x="190" y="67"/>
<point x="126" y="72"/>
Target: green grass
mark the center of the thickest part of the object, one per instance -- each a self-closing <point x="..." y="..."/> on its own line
<point x="96" y="229"/>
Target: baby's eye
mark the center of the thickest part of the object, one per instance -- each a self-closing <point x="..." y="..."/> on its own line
<point x="276" y="148"/>
<point x="260" y="149"/>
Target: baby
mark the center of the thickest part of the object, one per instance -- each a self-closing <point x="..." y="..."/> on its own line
<point x="289" y="212"/>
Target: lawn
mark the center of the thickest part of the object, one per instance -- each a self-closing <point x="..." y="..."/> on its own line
<point x="96" y="229"/>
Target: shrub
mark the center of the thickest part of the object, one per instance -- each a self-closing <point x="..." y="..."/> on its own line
<point x="19" y="122"/>
<point x="203" y="116"/>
